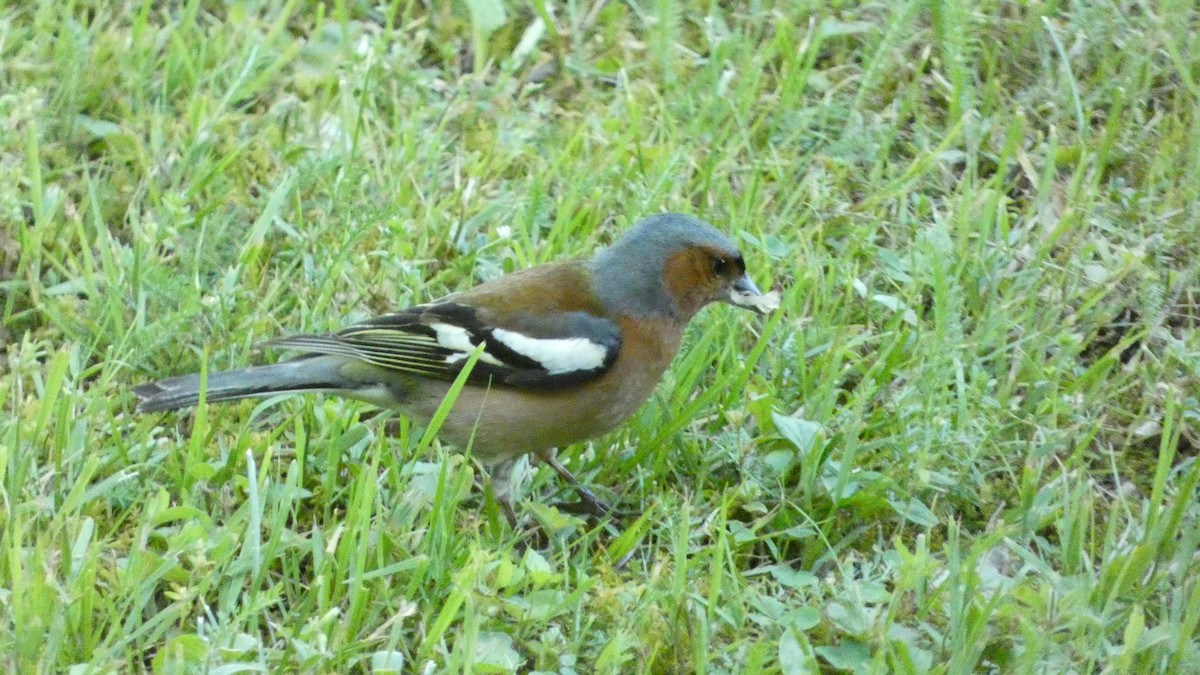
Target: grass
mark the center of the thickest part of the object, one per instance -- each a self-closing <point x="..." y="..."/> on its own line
<point x="967" y="443"/>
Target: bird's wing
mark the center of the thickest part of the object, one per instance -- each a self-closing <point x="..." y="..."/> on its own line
<point x="529" y="351"/>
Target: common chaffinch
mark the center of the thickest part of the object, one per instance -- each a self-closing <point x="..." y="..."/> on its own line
<point x="569" y="350"/>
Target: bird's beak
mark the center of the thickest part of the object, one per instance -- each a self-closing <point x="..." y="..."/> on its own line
<point x="745" y="294"/>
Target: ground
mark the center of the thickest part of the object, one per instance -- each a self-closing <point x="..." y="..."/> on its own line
<point x="967" y="442"/>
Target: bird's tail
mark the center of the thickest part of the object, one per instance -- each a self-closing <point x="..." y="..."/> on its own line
<point x="318" y="373"/>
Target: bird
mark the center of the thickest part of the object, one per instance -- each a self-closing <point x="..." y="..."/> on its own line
<point x="562" y="352"/>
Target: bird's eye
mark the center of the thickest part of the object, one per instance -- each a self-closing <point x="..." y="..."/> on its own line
<point x="720" y="265"/>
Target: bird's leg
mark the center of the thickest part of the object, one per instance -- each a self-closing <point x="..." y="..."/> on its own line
<point x="594" y="505"/>
<point x="501" y="474"/>
<point x="504" y="476"/>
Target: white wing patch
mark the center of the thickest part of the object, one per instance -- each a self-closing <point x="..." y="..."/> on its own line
<point x="458" y="339"/>
<point x="453" y="337"/>
<point x="557" y="355"/>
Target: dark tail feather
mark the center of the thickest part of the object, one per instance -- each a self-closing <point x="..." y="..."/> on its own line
<point x="311" y="374"/>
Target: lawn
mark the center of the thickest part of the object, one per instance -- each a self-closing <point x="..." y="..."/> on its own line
<point x="966" y="443"/>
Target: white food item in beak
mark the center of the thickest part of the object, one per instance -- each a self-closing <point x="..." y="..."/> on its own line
<point x="745" y="294"/>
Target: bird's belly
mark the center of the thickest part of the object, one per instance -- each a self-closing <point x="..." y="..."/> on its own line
<point x="499" y="424"/>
